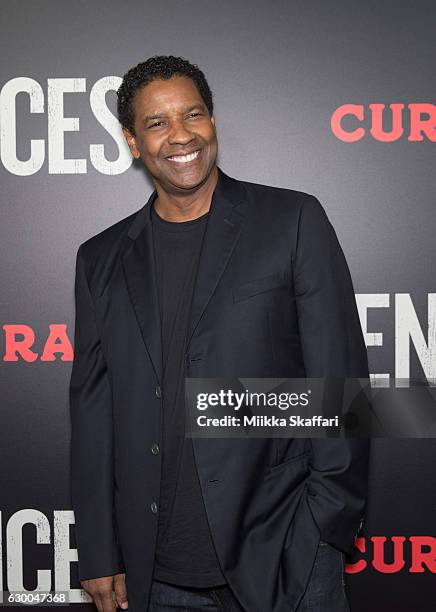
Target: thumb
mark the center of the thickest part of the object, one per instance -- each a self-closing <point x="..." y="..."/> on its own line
<point x="121" y="591"/>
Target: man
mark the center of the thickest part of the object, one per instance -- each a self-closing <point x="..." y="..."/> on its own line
<point x="213" y="277"/>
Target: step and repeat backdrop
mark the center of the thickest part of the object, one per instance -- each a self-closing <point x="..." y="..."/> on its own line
<point x="332" y="98"/>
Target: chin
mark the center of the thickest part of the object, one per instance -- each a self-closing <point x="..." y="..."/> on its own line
<point x="190" y="183"/>
<point x="188" y="186"/>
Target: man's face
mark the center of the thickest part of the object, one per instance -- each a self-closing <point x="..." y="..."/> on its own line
<point x="174" y="134"/>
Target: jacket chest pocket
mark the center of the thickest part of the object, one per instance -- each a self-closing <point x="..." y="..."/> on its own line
<point x="257" y="286"/>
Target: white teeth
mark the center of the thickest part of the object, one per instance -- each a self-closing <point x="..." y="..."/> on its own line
<point x="184" y="158"/>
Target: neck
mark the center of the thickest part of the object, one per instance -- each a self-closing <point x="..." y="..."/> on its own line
<point x="175" y="207"/>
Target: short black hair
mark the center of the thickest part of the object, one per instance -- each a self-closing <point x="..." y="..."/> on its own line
<point x="157" y="67"/>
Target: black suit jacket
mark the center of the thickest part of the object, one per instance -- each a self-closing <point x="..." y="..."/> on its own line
<point x="273" y="298"/>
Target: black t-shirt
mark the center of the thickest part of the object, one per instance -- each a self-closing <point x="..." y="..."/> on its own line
<point x="185" y="554"/>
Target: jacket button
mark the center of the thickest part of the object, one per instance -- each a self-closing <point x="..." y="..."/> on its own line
<point x="155" y="448"/>
<point x="158" y="392"/>
<point x="153" y="507"/>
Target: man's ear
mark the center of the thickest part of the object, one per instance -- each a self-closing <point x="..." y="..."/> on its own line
<point x="131" y="142"/>
<point x="212" y="120"/>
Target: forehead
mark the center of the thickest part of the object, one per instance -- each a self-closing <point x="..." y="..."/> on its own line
<point x="166" y="96"/>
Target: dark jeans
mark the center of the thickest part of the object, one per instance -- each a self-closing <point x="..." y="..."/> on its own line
<point x="325" y="591"/>
<point x="170" y="598"/>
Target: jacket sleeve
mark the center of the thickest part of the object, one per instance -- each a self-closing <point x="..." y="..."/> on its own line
<point x="92" y="457"/>
<point x="333" y="347"/>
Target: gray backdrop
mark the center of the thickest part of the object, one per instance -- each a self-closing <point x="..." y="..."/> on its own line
<point x="278" y="71"/>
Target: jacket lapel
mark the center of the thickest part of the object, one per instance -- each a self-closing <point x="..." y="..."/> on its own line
<point x="223" y="229"/>
<point x="139" y="271"/>
<point x="222" y="232"/>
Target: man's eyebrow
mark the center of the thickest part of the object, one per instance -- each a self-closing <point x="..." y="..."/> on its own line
<point x="151" y="117"/>
<point x="161" y="115"/>
<point x="199" y="105"/>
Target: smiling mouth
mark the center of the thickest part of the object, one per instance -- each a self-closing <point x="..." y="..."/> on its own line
<point x="184" y="159"/>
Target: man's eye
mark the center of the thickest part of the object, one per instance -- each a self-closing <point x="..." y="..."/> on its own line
<point x="194" y="114"/>
<point x="156" y="124"/>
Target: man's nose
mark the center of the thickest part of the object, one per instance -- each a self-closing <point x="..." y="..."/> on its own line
<point x="180" y="134"/>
